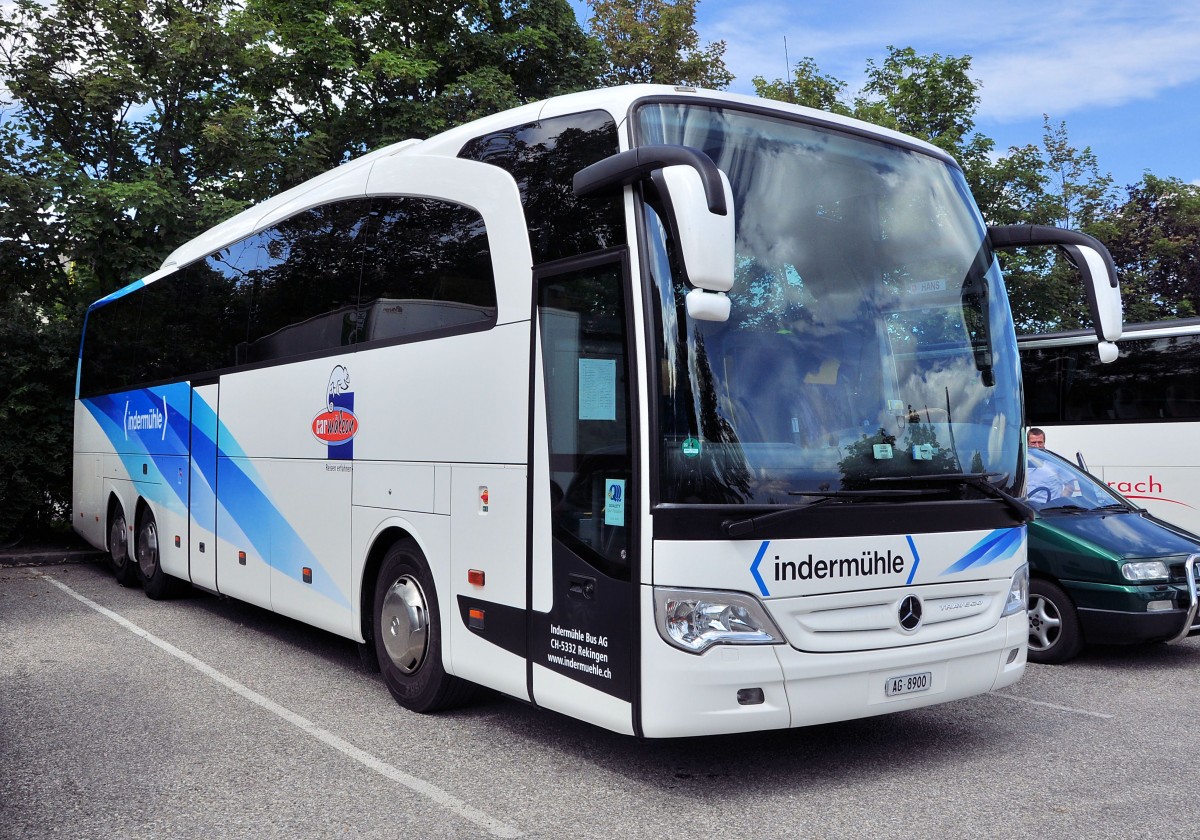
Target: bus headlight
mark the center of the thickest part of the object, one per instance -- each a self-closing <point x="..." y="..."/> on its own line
<point x="694" y="620"/>
<point x="1145" y="571"/>
<point x="1018" y="593"/>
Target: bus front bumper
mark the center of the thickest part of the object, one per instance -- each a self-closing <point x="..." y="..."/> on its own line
<point x="683" y="694"/>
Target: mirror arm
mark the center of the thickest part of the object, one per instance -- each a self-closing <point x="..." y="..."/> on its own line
<point x="636" y="165"/>
<point x="1022" y="236"/>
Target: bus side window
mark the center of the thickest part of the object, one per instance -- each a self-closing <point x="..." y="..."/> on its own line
<point x="428" y="270"/>
<point x="305" y="283"/>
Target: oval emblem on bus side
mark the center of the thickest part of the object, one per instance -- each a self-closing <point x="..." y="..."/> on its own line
<point x="335" y="427"/>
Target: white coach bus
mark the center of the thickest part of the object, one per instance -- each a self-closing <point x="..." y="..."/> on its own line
<point x="1134" y="422"/>
<point x="673" y="411"/>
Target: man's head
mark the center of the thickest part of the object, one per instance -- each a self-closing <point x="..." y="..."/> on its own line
<point x="1036" y="439"/>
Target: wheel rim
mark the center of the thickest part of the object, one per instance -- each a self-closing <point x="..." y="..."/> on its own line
<point x="147" y="549"/>
<point x="404" y="621"/>
<point x="1045" y="623"/>
<point x="118" y="543"/>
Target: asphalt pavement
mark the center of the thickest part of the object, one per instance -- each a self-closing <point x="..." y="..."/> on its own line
<point x="202" y="717"/>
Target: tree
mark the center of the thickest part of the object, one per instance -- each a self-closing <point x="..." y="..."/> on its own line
<point x="1154" y="236"/>
<point x="656" y="41"/>
<point x="347" y="78"/>
<point x="1055" y="184"/>
<point x="135" y="133"/>
<point x="135" y="124"/>
<point x="808" y="86"/>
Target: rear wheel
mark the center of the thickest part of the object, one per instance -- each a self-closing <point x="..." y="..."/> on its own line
<point x="407" y="630"/>
<point x="1054" y="634"/>
<point x="118" y="549"/>
<point x="156" y="583"/>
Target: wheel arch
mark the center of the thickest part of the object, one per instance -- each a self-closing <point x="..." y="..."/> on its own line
<point x="113" y="504"/>
<point x="381" y="543"/>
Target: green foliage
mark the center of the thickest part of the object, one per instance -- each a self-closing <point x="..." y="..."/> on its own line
<point x="656" y="41"/>
<point x="1154" y="236"/>
<point x="37" y="374"/>
<point x="808" y="86"/>
<point x="136" y="124"/>
<point x="343" y="78"/>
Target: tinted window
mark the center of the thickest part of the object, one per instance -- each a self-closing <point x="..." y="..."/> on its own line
<point x="108" y="342"/>
<point x="300" y="288"/>
<point x="582" y="316"/>
<point x="543" y="158"/>
<point x="304" y="286"/>
<point x="1152" y="379"/>
<point x="427" y="269"/>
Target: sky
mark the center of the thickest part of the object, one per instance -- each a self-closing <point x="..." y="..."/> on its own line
<point x="1124" y="75"/>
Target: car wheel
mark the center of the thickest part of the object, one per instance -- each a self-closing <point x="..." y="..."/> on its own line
<point x="118" y="549"/>
<point x="407" y="630"/>
<point x="156" y="583"/>
<point x="1054" y="634"/>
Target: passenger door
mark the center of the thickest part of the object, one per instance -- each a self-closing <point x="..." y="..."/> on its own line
<point x="582" y="626"/>
<point x="202" y="495"/>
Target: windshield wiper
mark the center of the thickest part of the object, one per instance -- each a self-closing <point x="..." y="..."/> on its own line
<point x="1069" y="508"/>
<point x="979" y="481"/>
<point x="744" y="527"/>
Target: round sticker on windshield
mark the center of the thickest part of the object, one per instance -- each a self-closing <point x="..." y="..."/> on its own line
<point x="691" y="447"/>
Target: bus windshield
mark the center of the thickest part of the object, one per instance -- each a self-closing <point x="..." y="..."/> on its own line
<point x="870" y="334"/>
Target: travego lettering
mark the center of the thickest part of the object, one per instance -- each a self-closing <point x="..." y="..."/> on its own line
<point x="870" y="563"/>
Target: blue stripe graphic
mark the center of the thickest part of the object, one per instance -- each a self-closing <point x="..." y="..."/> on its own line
<point x="996" y="546"/>
<point x="916" y="559"/>
<point x="246" y="512"/>
<point x="762" y="550"/>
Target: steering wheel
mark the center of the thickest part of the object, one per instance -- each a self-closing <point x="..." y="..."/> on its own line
<point x="1029" y="495"/>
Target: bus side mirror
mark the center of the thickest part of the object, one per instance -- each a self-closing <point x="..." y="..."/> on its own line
<point x="1095" y="266"/>
<point x="697" y="203"/>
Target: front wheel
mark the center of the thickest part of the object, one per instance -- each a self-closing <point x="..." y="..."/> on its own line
<point x="407" y="630"/>
<point x="1054" y="634"/>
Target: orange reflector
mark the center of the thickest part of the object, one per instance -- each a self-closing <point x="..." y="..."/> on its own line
<point x="475" y="577"/>
<point x="177" y="541"/>
<point x="475" y="619"/>
<point x="242" y="558"/>
<point x="307" y="574"/>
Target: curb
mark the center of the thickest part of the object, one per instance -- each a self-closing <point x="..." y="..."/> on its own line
<point x="48" y="558"/>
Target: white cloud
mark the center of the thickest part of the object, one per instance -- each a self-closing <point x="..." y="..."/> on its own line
<point x="1031" y="57"/>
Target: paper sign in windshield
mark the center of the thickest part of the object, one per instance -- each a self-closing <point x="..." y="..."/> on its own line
<point x="597" y="389"/>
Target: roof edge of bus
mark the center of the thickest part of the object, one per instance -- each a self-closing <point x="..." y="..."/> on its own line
<point x="617" y="100"/>
<point x="1146" y="329"/>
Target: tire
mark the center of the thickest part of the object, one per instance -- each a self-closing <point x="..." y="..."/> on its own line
<point x="1054" y="634"/>
<point x="122" y="565"/>
<point x="156" y="583"/>
<point x="407" y="634"/>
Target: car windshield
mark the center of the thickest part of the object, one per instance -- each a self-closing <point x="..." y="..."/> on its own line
<point x="1053" y="483"/>
<point x="870" y="334"/>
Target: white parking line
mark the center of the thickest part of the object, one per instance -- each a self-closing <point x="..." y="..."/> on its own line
<point x="1070" y="709"/>
<point x="430" y="791"/>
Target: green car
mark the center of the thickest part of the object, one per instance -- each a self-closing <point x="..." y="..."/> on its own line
<point x="1102" y="570"/>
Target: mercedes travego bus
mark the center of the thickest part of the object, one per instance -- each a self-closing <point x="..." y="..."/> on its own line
<point x="674" y="411"/>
